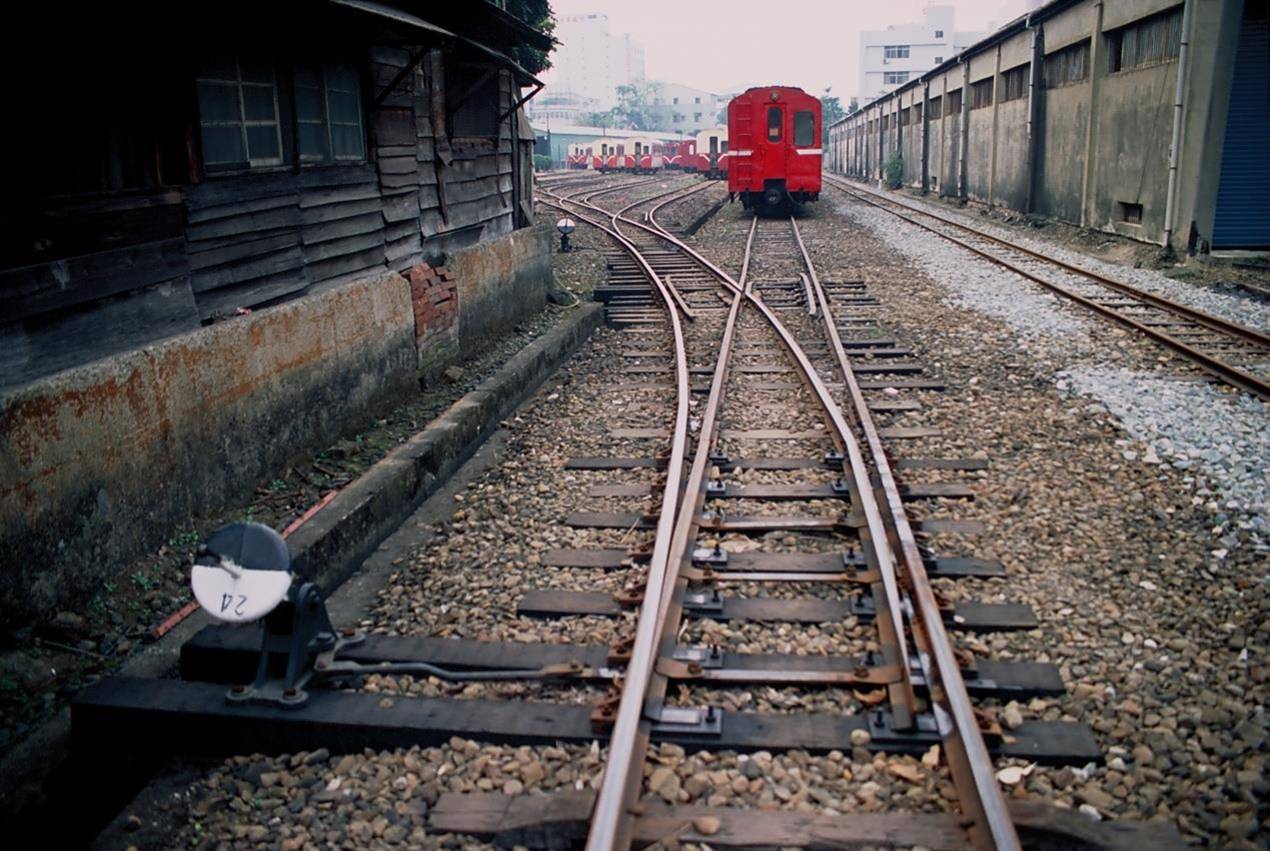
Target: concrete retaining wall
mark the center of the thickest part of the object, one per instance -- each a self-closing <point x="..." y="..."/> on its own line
<point x="102" y="462"/>
<point x="489" y="272"/>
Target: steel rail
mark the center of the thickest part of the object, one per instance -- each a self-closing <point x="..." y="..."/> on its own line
<point x="614" y="230"/>
<point x="968" y="756"/>
<point x="1222" y="370"/>
<point x="612" y="821"/>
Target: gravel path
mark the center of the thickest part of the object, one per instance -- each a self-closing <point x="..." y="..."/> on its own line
<point x="1252" y="312"/>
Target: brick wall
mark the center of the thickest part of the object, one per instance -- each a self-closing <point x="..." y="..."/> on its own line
<point x="436" y="311"/>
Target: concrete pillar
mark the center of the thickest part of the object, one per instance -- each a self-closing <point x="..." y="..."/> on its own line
<point x="1033" y="117"/>
<point x="1097" y="70"/>
<point x="943" y="132"/>
<point x="996" y="104"/>
<point x="962" y="174"/>
<point x="926" y="137"/>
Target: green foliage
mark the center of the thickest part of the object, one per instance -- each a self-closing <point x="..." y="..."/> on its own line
<point x="893" y="171"/>
<point x="830" y="112"/>
<point x="722" y="118"/>
<point x="145" y="583"/>
<point x="634" y="110"/>
<point x="542" y="162"/>
<point x="538" y="14"/>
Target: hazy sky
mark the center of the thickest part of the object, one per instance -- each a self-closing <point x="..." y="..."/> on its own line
<point x="727" y="45"/>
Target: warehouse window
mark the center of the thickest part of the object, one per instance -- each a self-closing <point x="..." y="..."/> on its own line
<point x="895" y="51"/>
<point x="1067" y="66"/>
<point x="981" y="94"/>
<point x="935" y="107"/>
<point x="329" y="113"/>
<point x="954" y="102"/>
<point x="1149" y="41"/>
<point x="773" y="124"/>
<point x="804" y="129"/>
<point x="1130" y="213"/>
<point x="238" y="115"/>
<point x="906" y="117"/>
<point x="1014" y="82"/>
<point x="894" y="78"/>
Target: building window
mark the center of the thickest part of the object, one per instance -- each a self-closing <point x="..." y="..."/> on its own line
<point x="954" y="102"/>
<point x="773" y="124"/>
<point x="938" y="59"/>
<point x="1130" y="213"/>
<point x="696" y="100"/>
<point x="939" y="34"/>
<point x="894" y="78"/>
<point x="696" y="116"/>
<point x="1149" y="41"/>
<point x="906" y="117"/>
<point x="1014" y="82"/>
<point x="981" y="94"/>
<point x="328" y="113"/>
<point x="933" y="110"/>
<point x="238" y="115"/>
<point x="1067" y="66"/>
<point x="804" y="129"/>
<point x="674" y="100"/>
<point x="895" y="51"/>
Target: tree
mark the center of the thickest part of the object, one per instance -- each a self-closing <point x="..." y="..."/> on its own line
<point x="830" y="112"/>
<point x="635" y="105"/>
<point x="722" y="118"/>
<point x="538" y="14"/>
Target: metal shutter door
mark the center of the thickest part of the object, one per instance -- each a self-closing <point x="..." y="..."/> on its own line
<point x="1243" y="199"/>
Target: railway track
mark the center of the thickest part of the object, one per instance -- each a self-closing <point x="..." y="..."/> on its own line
<point x="1232" y="353"/>
<point x="800" y="529"/>
<point x="907" y="616"/>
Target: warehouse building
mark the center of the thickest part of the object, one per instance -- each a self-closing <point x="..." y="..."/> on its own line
<point x="1146" y="118"/>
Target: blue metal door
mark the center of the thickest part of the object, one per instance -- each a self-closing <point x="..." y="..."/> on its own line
<point x="1243" y="196"/>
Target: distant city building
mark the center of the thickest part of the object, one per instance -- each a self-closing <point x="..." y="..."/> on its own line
<point x="684" y="109"/>
<point x="891" y="57"/>
<point x="587" y="68"/>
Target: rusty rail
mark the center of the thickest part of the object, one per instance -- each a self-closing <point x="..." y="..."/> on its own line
<point x="1226" y="372"/>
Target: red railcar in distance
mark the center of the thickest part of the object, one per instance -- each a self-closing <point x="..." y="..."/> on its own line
<point x="774" y="156"/>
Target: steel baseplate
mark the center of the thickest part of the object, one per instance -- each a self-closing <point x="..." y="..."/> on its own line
<point x="296" y="637"/>
<point x="687" y="721"/>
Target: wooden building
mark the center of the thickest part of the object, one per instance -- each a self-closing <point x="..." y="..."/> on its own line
<point x="186" y="162"/>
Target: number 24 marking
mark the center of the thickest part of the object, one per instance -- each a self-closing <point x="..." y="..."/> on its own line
<point x="227" y="600"/>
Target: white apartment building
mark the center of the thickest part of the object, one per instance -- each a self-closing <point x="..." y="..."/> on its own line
<point x="590" y="64"/>
<point x="685" y="109"/>
<point x="893" y="56"/>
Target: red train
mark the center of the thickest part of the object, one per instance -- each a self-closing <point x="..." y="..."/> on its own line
<point x="774" y="161"/>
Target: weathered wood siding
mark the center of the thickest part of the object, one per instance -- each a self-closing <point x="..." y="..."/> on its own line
<point x="88" y="278"/>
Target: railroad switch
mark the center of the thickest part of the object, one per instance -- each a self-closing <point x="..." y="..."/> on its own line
<point x="243" y="574"/>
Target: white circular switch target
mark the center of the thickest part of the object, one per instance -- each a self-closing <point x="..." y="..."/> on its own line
<point x="242" y="572"/>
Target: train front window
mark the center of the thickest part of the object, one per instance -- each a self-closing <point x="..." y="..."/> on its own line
<point x="774" y="123"/>
<point x="804" y="129"/>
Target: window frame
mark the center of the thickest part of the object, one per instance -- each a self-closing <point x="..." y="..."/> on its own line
<point x="249" y="163"/>
<point x="895" y="51"/>
<point x="811" y="128"/>
<point x="328" y="122"/>
<point x="779" y="126"/>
